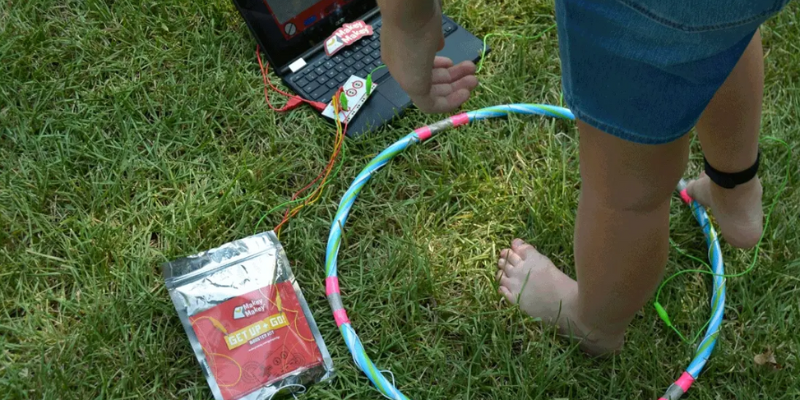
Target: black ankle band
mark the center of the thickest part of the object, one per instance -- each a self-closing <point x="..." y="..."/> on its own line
<point x="730" y="180"/>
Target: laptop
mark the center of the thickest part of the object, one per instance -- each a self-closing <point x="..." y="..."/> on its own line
<point x="292" y="34"/>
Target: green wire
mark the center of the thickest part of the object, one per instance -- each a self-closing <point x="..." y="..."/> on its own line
<point x="750" y="268"/>
<point x="673" y="276"/>
<point x="377" y="68"/>
<point x="333" y="175"/>
<point x="369" y="78"/>
<point x="255" y="231"/>
<point x="335" y="172"/>
<point x="514" y="35"/>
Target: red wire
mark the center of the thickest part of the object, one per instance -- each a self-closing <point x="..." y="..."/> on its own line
<point x="294" y="100"/>
<point x="286" y="215"/>
<point x="321" y="174"/>
<point x="330" y="164"/>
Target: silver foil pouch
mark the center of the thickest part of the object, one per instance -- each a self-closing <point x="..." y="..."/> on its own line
<point x="247" y="321"/>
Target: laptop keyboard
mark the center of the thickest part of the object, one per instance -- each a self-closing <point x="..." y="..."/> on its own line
<point x="320" y="79"/>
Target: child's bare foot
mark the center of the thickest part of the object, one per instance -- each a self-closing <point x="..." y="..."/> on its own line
<point x="738" y="210"/>
<point x="541" y="290"/>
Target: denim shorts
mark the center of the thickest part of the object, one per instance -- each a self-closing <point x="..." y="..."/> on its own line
<point x="644" y="70"/>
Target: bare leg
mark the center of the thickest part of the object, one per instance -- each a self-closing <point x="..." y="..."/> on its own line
<point x="621" y="241"/>
<point x="728" y="131"/>
<point x="621" y="238"/>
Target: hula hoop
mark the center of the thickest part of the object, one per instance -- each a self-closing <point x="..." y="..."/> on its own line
<point x="353" y="343"/>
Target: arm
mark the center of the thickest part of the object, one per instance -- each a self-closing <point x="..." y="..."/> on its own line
<point x="410" y="38"/>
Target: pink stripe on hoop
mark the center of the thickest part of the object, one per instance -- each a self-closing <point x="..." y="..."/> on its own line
<point x="459" y="119"/>
<point x="685" y="197"/>
<point x="341" y="317"/>
<point x="685" y="381"/>
<point x="332" y="286"/>
<point x="424" y="133"/>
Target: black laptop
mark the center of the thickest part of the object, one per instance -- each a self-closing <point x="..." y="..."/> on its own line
<point x="292" y="34"/>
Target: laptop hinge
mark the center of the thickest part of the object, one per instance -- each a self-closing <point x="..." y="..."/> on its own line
<point x="314" y="50"/>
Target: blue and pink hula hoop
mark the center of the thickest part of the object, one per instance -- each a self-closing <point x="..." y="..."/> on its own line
<point x="353" y="343"/>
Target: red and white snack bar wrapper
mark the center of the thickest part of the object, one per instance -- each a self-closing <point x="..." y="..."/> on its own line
<point x="247" y="321"/>
<point x="346" y="35"/>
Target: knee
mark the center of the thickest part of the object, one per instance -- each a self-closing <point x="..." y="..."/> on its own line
<point x="638" y="197"/>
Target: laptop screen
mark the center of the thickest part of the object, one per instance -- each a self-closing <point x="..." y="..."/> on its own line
<point x="285" y="29"/>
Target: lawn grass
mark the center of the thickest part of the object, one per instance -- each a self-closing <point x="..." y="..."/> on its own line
<point x="132" y="133"/>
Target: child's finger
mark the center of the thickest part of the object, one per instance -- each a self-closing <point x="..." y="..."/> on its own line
<point x="452" y="74"/>
<point x="445" y="89"/>
<point x="457" y="98"/>
<point x="442" y="62"/>
<point x="442" y="104"/>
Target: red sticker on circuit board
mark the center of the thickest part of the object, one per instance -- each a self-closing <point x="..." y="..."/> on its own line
<point x="347" y="35"/>
<point x="255" y="339"/>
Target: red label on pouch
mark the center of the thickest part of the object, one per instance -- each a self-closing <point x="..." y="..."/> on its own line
<point x="252" y="340"/>
<point x="347" y="35"/>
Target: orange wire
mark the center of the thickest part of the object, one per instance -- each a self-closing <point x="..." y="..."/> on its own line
<point x="292" y="212"/>
<point x="337" y="145"/>
<point x="317" y="193"/>
<point x="329" y="168"/>
<point x="314" y="196"/>
<point x="237" y="366"/>
<point x="281" y="308"/>
<point x="214" y="322"/>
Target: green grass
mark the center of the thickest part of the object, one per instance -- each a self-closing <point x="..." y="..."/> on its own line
<point x="132" y="133"/>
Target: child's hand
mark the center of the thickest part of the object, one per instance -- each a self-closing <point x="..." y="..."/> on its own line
<point x="409" y="43"/>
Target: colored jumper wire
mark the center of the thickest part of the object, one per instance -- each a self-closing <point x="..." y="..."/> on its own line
<point x="293" y="102"/>
<point x="338" y="145"/>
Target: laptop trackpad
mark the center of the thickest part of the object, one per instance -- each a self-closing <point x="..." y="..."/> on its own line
<point x="373" y="114"/>
<point x="392" y="91"/>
